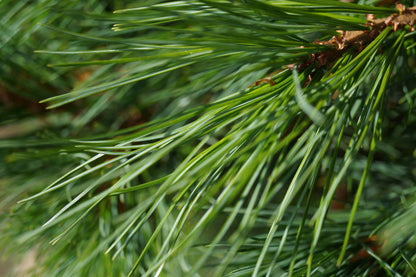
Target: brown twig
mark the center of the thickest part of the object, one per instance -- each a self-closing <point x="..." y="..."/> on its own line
<point x="347" y="39"/>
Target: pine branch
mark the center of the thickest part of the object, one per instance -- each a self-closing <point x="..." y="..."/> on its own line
<point x="213" y="175"/>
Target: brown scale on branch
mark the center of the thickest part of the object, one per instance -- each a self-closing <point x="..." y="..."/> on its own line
<point x="346" y="39"/>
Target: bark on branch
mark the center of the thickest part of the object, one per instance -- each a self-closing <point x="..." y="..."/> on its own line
<point x="347" y="39"/>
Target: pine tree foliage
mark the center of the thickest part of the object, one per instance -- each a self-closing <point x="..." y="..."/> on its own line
<point x="209" y="137"/>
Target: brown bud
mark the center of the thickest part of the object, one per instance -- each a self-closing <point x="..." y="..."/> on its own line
<point x="370" y="17"/>
<point x="400" y="7"/>
<point x="396" y="26"/>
